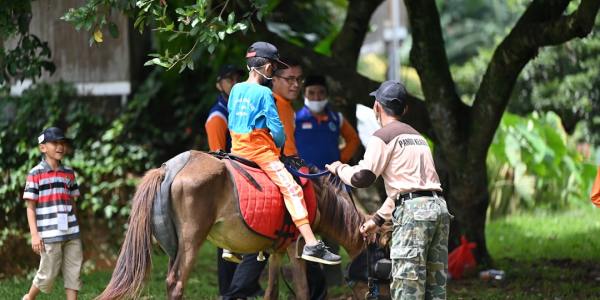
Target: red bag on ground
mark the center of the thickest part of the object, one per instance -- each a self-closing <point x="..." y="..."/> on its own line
<point x="461" y="259"/>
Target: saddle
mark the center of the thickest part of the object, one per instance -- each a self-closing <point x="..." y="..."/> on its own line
<point x="261" y="204"/>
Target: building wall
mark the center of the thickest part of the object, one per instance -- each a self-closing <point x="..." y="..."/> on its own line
<point x="100" y="69"/>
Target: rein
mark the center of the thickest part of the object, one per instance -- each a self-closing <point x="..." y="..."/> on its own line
<point x="295" y="172"/>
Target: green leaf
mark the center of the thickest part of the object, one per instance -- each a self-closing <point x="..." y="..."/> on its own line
<point x="231" y="18"/>
<point x="113" y="30"/>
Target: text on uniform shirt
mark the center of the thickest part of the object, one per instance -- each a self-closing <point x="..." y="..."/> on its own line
<point x="412" y="142"/>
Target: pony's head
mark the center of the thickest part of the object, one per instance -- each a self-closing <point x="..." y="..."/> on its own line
<point x="339" y="215"/>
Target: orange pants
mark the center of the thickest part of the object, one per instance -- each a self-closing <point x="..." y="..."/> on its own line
<point x="292" y="192"/>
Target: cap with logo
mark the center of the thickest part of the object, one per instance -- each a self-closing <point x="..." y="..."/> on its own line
<point x="52" y="134"/>
<point x="265" y="50"/>
<point x="390" y="92"/>
<point x="228" y="70"/>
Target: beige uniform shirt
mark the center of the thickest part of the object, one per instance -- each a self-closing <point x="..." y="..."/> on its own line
<point x="399" y="154"/>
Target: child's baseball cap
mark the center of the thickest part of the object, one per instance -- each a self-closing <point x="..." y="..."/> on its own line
<point x="52" y="134"/>
<point x="265" y="50"/>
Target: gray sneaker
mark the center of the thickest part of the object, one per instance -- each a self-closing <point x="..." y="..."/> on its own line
<point x="319" y="253"/>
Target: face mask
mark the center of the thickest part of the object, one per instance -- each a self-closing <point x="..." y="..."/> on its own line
<point x="261" y="74"/>
<point x="315" y="106"/>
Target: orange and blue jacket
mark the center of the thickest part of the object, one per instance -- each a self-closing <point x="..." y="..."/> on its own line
<point x="254" y="124"/>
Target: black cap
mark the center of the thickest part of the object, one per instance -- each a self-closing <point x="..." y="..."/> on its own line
<point x="265" y="50"/>
<point x="52" y="134"/>
<point x="228" y="70"/>
<point x="315" y="80"/>
<point x="390" y="91"/>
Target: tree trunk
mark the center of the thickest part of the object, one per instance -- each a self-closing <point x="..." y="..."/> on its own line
<point x="468" y="199"/>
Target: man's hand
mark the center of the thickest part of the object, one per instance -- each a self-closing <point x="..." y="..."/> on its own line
<point x="37" y="244"/>
<point x="368" y="228"/>
<point x="333" y="167"/>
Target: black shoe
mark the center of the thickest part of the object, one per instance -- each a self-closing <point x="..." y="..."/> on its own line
<point x="319" y="253"/>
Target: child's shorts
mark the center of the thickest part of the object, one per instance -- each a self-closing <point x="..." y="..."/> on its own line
<point x="66" y="256"/>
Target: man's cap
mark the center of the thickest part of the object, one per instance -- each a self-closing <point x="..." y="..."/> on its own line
<point x="52" y="134"/>
<point x="315" y="80"/>
<point x="390" y="91"/>
<point x="265" y="50"/>
<point x="228" y="70"/>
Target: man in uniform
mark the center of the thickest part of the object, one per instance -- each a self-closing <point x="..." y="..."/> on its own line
<point x="319" y="127"/>
<point x="286" y="86"/>
<point x="318" y="132"/>
<point x="419" y="247"/>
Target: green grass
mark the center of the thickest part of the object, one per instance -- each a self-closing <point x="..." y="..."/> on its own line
<point x="544" y="255"/>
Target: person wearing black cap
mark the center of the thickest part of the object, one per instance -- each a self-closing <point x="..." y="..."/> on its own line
<point x="398" y="153"/>
<point x="216" y="123"/>
<point x="51" y="191"/>
<point x="257" y="134"/>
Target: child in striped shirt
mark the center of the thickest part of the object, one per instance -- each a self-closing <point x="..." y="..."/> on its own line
<point x="50" y="192"/>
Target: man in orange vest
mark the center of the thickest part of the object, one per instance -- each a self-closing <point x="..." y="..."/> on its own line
<point x="286" y="86"/>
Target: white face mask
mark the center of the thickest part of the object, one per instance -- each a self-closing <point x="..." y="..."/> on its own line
<point x="257" y="71"/>
<point x="315" y="106"/>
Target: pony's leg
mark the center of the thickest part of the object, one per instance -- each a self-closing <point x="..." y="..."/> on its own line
<point x="272" y="291"/>
<point x="179" y="273"/>
<point x="299" y="274"/>
<point x="195" y="214"/>
<point x="171" y="278"/>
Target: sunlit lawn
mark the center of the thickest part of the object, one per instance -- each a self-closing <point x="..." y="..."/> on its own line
<point x="545" y="256"/>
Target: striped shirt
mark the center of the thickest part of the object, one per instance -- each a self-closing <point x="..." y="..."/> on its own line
<point x="54" y="192"/>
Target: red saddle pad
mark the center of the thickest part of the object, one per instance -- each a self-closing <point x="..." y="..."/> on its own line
<point x="264" y="211"/>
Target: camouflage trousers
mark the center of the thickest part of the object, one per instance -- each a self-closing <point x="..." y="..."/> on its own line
<point x="419" y="249"/>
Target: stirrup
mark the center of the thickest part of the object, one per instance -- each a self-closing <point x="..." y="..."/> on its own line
<point x="231" y="257"/>
<point x="260" y="256"/>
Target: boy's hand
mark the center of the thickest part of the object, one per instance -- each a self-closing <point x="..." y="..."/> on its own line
<point x="37" y="244"/>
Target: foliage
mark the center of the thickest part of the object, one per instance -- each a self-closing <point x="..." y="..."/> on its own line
<point x="563" y="79"/>
<point x="532" y="164"/>
<point x="469" y="26"/>
<point x="566" y="80"/>
<point x="108" y="156"/>
<point x="204" y="24"/>
<point x="22" y="55"/>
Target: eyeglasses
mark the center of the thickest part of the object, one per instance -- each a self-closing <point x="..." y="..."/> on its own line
<point x="291" y="80"/>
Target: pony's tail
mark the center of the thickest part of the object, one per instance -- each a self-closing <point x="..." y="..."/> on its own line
<point x="135" y="258"/>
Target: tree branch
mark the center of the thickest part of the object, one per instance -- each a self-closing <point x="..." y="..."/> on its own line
<point x="541" y="25"/>
<point x="428" y="55"/>
<point x="346" y="46"/>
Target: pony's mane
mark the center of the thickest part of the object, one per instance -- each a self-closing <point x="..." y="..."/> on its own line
<point x="335" y="203"/>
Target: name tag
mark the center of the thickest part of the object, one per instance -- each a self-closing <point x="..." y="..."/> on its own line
<point x="63" y="222"/>
<point x="307" y="125"/>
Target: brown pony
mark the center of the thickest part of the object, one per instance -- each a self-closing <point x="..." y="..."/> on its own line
<point x="203" y="205"/>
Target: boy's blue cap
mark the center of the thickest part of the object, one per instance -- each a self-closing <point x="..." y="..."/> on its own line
<point x="52" y="134"/>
